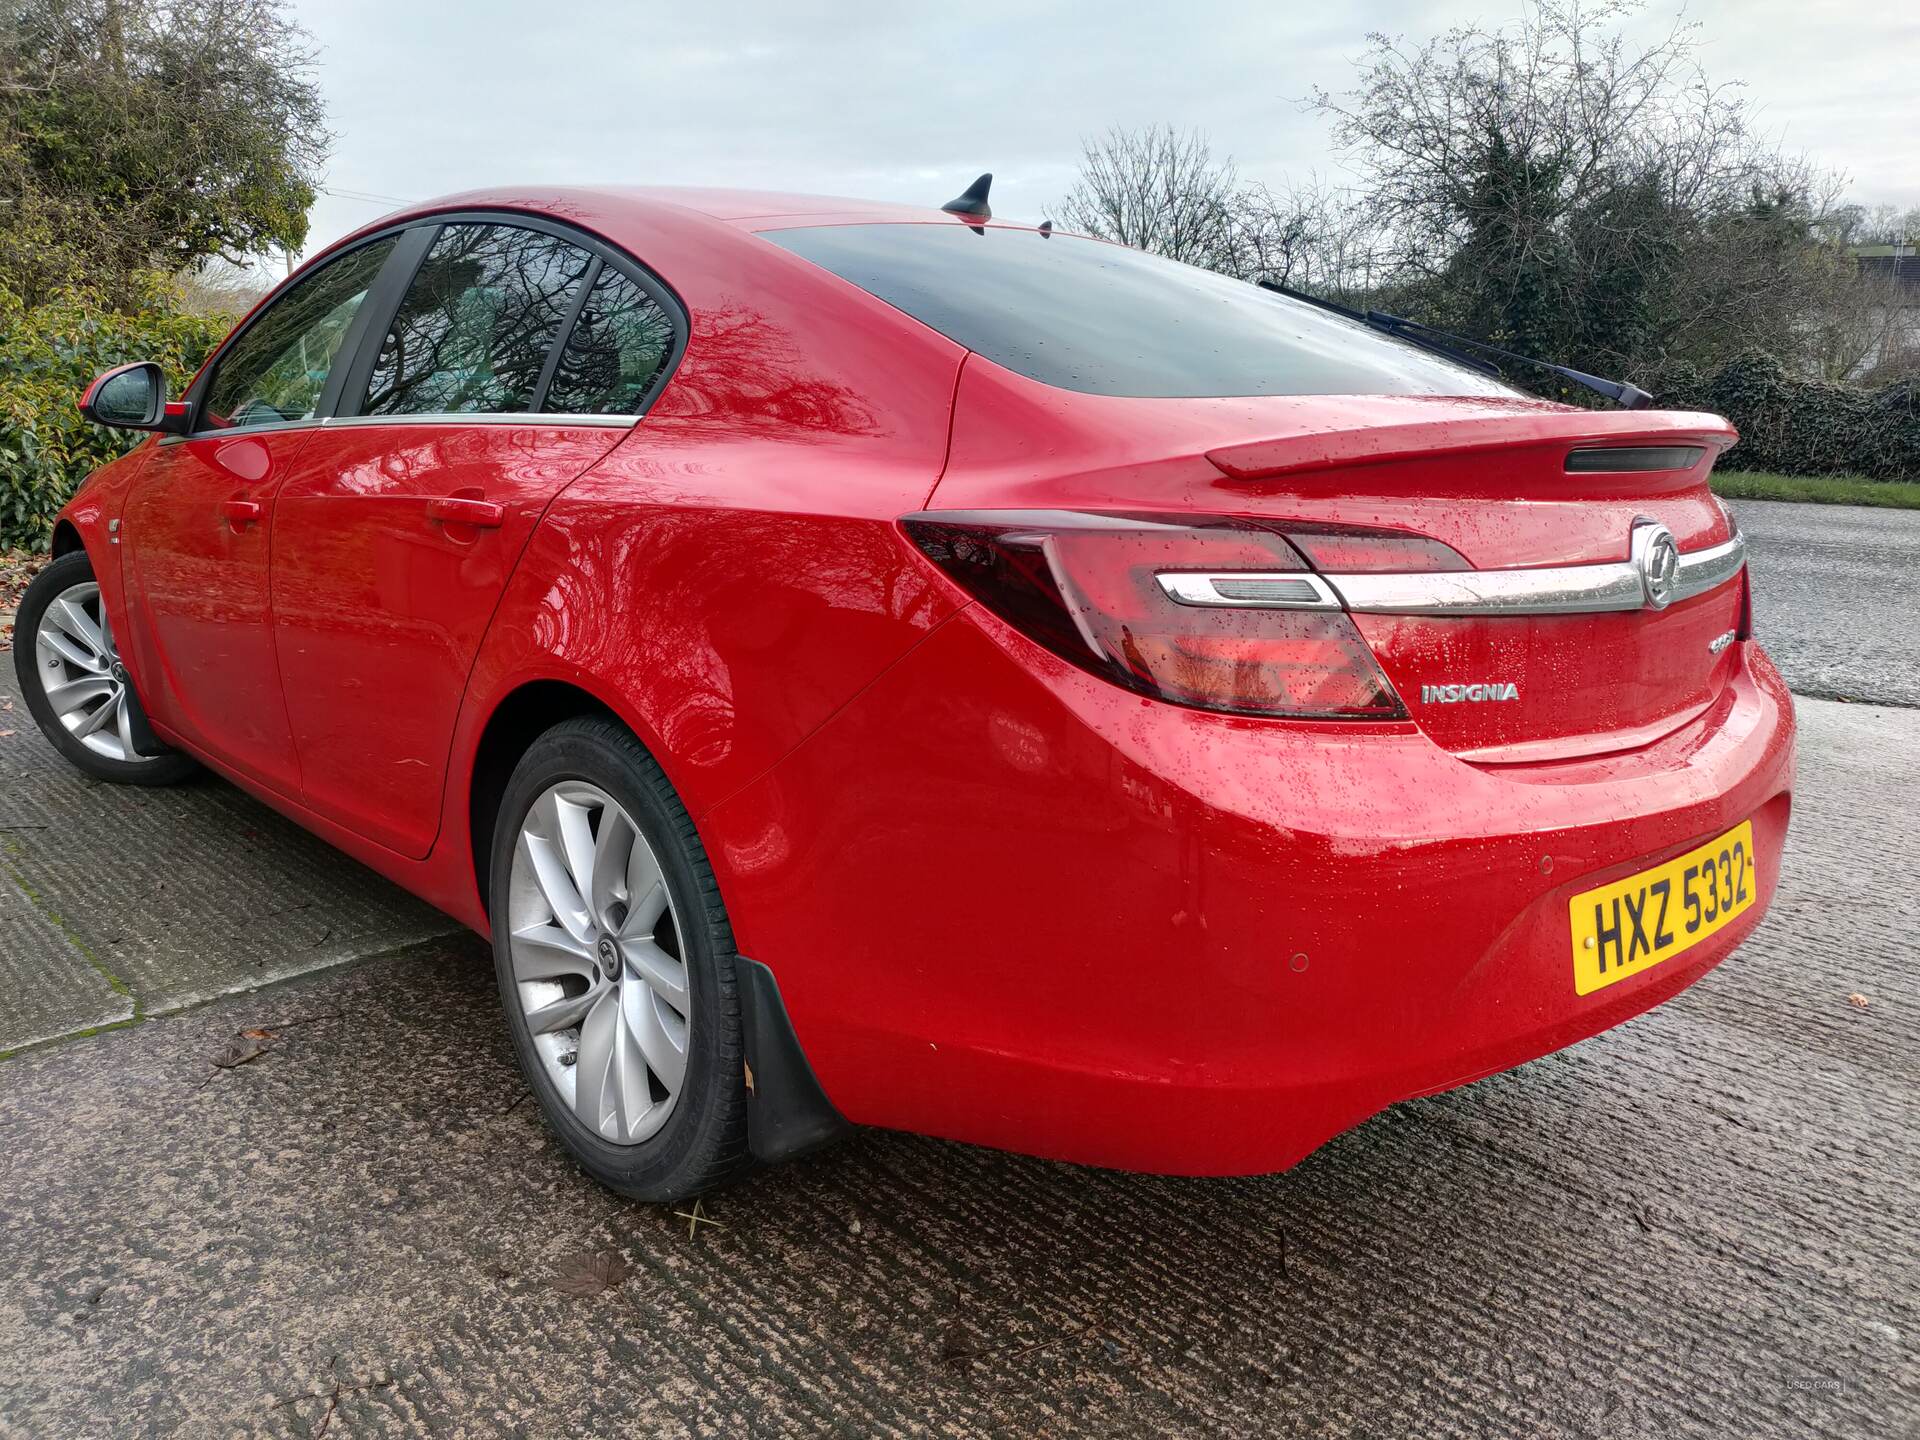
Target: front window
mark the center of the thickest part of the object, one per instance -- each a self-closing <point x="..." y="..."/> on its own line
<point x="1106" y="320"/>
<point x="277" y="368"/>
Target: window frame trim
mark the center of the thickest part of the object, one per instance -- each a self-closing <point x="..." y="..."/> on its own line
<point x="565" y="337"/>
<point x="353" y="364"/>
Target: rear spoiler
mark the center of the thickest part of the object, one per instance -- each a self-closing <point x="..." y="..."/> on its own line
<point x="1564" y="430"/>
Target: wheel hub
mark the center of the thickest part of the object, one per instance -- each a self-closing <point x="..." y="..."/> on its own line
<point x="596" y="955"/>
<point x="86" y="685"/>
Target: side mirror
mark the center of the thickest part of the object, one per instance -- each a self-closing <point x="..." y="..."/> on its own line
<point x="133" y="397"/>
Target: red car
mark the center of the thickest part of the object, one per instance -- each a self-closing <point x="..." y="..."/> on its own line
<point x="1124" y="715"/>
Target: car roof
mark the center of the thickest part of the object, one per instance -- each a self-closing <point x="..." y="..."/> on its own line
<point x="617" y="205"/>
<point x="725" y="204"/>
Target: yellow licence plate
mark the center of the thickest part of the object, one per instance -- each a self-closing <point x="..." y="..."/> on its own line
<point x="1634" y="924"/>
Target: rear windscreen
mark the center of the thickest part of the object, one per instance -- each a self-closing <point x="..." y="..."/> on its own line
<point x="1107" y="320"/>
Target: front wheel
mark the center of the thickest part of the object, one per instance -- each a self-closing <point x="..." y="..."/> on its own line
<point x="616" y="965"/>
<point x="76" y="688"/>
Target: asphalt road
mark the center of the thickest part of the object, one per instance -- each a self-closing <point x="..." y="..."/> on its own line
<point x="1836" y="597"/>
<point x="1698" y="1224"/>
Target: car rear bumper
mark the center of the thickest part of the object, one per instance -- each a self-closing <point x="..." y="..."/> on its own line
<point x="1010" y="904"/>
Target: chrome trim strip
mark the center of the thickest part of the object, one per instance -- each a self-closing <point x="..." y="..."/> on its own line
<point x="240" y="432"/>
<point x="516" y="417"/>
<point x="1704" y="570"/>
<point x="1250" y="590"/>
<point x="1564" y="590"/>
<point x="1558" y="590"/>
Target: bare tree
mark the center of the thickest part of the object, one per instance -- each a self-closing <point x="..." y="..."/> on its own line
<point x="1164" y="191"/>
<point x="1860" y="321"/>
<point x="1309" y="237"/>
<point x="1158" y="190"/>
<point x="1851" y="224"/>
<point x="1554" y="185"/>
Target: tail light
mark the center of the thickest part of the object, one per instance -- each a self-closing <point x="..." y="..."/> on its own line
<point x="1186" y="609"/>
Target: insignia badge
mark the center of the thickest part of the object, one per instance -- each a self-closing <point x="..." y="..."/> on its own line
<point x="1457" y="694"/>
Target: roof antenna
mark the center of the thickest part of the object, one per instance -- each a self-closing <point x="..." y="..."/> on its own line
<point x="973" y="200"/>
<point x="1046" y="228"/>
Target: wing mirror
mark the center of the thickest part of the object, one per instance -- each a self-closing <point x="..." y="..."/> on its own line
<point x="134" y="397"/>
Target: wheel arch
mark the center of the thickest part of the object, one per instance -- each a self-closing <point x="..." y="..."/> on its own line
<point x="66" y="538"/>
<point x="522" y="716"/>
<point x="788" y="1113"/>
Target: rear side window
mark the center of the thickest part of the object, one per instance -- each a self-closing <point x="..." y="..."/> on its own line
<point x="1107" y="320"/>
<point x="615" y="351"/>
<point x="477" y="323"/>
<point x="277" y="368"/>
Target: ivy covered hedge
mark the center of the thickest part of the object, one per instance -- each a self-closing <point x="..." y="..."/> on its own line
<point x="1804" y="427"/>
<point x="48" y="354"/>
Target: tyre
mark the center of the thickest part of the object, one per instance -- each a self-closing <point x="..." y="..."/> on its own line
<point x="616" y="966"/>
<point x="75" y="687"/>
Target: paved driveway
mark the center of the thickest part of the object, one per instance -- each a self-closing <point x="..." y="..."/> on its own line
<point x="1837" y="597"/>
<point x="1698" y="1224"/>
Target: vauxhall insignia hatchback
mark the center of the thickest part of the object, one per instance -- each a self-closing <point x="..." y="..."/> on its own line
<point x="863" y="664"/>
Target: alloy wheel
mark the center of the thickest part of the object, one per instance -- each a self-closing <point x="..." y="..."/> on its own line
<point x="80" y="671"/>
<point x="598" y="966"/>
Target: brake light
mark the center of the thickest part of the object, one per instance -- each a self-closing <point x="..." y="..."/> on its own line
<point x="1099" y="590"/>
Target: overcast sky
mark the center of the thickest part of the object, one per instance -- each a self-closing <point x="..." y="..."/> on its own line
<point x="905" y="101"/>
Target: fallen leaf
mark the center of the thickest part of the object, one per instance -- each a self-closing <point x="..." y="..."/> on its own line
<point x="589" y="1274"/>
<point x="256" y="1034"/>
<point x="241" y="1050"/>
<point x="1859" y="1001"/>
<point x="5" y="733"/>
<point x="749" y="1070"/>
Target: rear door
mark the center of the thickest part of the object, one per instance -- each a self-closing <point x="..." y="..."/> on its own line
<point x="516" y="357"/>
<point x="198" y="525"/>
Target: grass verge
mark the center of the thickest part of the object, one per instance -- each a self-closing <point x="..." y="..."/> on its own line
<point x="1817" y="489"/>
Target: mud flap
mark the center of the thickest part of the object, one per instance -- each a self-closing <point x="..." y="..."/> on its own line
<point x="788" y="1113"/>
<point x="145" y="742"/>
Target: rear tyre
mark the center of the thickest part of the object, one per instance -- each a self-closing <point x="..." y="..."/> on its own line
<point x="76" y="689"/>
<point x="616" y="966"/>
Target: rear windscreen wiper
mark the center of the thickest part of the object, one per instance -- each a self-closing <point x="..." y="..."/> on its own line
<point x="1628" y="397"/>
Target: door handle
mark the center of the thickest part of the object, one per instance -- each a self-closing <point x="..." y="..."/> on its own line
<point x="241" y="513"/>
<point x="464" y="510"/>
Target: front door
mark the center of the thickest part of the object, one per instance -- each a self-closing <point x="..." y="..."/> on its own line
<point x="398" y="528"/>
<point x="198" y="526"/>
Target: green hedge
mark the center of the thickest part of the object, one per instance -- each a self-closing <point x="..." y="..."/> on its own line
<point x="1804" y="427"/>
<point x="48" y="354"/>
